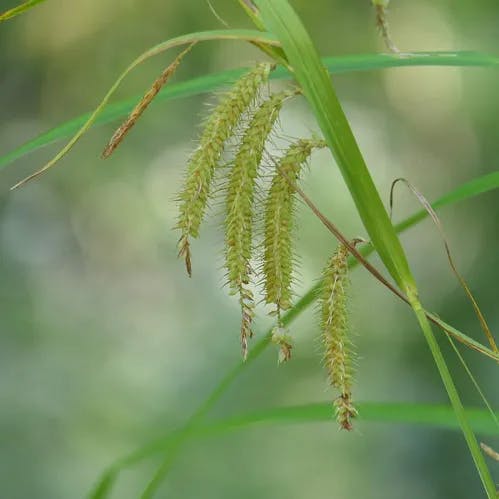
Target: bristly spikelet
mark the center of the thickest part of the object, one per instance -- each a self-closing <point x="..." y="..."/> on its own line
<point x="219" y="127"/>
<point x="239" y="207"/>
<point x="278" y="225"/>
<point x="334" y="326"/>
<point x="144" y="103"/>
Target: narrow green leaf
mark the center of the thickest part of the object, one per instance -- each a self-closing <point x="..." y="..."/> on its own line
<point x="435" y="416"/>
<point x="237" y="34"/>
<point x="19" y="9"/>
<point x="457" y="405"/>
<point x="208" y="83"/>
<point x="281" y="19"/>
<point x="438" y="416"/>
<point x="104" y="486"/>
<point x="463" y="338"/>
<point x="310" y="73"/>
<point x="275" y="53"/>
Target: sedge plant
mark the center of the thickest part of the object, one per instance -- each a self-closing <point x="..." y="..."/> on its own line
<point x="248" y="113"/>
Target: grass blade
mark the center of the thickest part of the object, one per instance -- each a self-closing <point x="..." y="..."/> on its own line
<point x="208" y="83"/>
<point x="464" y="423"/>
<point x="309" y="72"/>
<point x="282" y="20"/>
<point x="437" y="416"/>
<point x="20" y="9"/>
<point x="241" y="34"/>
<point x="426" y="415"/>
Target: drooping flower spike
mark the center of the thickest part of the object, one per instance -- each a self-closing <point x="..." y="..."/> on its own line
<point x="202" y="164"/>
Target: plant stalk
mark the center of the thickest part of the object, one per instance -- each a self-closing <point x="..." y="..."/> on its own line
<point x="454" y="398"/>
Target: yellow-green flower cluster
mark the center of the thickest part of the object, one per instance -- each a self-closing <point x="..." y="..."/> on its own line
<point x="239" y="216"/>
<point x="279" y="222"/>
<point x="201" y="168"/>
<point x="276" y="255"/>
<point x="335" y="333"/>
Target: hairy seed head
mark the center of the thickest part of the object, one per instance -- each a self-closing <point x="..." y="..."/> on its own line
<point x="239" y="204"/>
<point x="201" y="167"/>
<point x="282" y="339"/>
<point x="278" y="231"/>
<point x="241" y="189"/>
<point x="278" y="224"/>
<point x="345" y="411"/>
<point x="334" y="327"/>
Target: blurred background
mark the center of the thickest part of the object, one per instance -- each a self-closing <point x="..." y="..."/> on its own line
<point x="104" y="341"/>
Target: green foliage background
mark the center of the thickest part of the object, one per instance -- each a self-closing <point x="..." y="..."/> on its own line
<point x="105" y="344"/>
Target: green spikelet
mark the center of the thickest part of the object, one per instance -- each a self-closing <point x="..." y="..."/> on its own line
<point x="219" y="127"/>
<point x="334" y="327"/>
<point x="239" y="207"/>
<point x="278" y="231"/>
